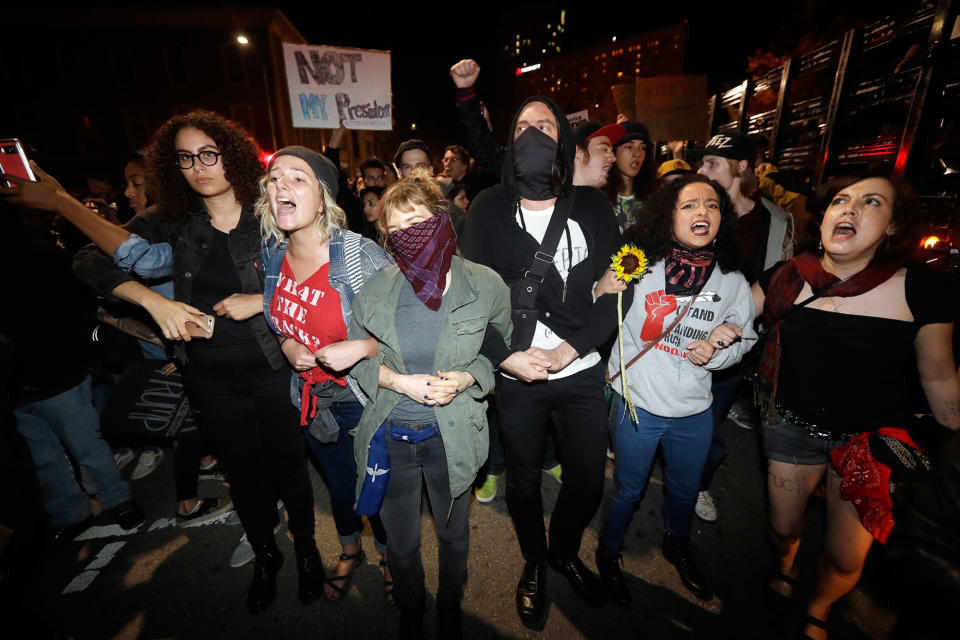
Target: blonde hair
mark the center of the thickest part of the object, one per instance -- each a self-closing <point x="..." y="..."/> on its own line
<point x="419" y="189"/>
<point x="333" y="217"/>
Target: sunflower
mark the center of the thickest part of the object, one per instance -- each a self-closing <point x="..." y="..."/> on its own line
<point x="629" y="263"/>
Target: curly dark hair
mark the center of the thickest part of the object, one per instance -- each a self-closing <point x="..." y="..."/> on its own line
<point x="653" y="231"/>
<point x="240" y="157"/>
<point x="905" y="233"/>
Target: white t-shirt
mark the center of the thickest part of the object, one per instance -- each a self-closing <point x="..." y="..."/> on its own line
<point x="564" y="259"/>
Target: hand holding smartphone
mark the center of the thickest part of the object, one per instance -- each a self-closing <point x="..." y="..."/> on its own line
<point x="13" y="161"/>
<point x="202" y="327"/>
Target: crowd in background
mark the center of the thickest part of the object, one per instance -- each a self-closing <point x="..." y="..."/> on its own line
<point x="457" y="323"/>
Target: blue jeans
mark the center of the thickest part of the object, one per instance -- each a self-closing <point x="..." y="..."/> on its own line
<point x="724" y="388"/>
<point x="67" y="424"/>
<point x="685" y="443"/>
<point x="338" y="468"/>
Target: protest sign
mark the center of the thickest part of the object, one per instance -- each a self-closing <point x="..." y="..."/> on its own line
<point x="673" y="107"/>
<point x="330" y="84"/>
<point x="576" y="118"/>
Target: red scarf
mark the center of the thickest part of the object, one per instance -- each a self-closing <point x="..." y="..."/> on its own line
<point x="423" y="253"/>
<point x="786" y="285"/>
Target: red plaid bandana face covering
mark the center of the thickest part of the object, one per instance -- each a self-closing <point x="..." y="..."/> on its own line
<point x="423" y="253"/>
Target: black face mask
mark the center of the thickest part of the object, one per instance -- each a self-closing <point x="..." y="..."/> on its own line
<point x="534" y="153"/>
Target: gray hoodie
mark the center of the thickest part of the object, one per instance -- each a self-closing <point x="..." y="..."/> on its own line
<point x="664" y="382"/>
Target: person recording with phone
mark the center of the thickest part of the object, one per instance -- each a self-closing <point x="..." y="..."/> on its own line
<point x="206" y="172"/>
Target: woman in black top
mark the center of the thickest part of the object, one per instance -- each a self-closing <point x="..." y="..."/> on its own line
<point x="205" y="171"/>
<point x="852" y="327"/>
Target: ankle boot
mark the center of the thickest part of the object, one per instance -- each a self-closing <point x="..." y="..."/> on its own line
<point x="449" y="619"/>
<point x="411" y="623"/>
<point x="310" y="570"/>
<point x="263" y="588"/>
<point x="608" y="565"/>
<point x="676" y="549"/>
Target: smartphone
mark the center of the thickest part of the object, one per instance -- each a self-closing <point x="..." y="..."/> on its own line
<point x="13" y="160"/>
<point x="202" y="327"/>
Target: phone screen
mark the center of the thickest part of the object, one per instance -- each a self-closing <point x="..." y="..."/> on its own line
<point x="13" y="160"/>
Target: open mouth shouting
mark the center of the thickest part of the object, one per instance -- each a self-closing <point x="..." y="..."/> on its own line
<point x="844" y="231"/>
<point x="285" y="206"/>
<point x="700" y="228"/>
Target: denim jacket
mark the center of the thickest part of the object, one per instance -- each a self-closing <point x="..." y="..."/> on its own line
<point x="190" y="237"/>
<point x="353" y="259"/>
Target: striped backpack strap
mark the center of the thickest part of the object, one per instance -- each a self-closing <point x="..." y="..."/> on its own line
<point x="351" y="255"/>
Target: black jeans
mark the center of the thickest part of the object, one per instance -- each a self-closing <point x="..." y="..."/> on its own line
<point x="412" y="466"/>
<point x="576" y="408"/>
<point x="243" y="407"/>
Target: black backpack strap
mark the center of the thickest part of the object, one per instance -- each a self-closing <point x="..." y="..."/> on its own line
<point x="525" y="315"/>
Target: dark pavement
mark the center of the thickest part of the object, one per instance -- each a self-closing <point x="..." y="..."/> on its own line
<point x="163" y="581"/>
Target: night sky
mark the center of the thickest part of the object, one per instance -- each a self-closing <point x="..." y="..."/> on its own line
<point x="425" y="41"/>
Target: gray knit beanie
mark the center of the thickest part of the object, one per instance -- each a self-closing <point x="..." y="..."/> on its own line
<point x="326" y="171"/>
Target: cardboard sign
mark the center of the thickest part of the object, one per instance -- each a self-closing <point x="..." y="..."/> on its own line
<point x="576" y="118"/>
<point x="673" y="107"/>
<point x="330" y="84"/>
<point x="625" y="97"/>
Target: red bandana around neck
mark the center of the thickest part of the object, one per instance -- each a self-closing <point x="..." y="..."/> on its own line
<point x="423" y="253"/>
<point x="687" y="270"/>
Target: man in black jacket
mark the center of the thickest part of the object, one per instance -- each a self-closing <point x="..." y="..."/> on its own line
<point x="562" y="327"/>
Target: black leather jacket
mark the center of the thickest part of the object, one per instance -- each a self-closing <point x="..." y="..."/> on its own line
<point x="190" y="236"/>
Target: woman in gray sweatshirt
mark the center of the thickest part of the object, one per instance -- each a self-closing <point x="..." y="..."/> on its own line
<point x="699" y="313"/>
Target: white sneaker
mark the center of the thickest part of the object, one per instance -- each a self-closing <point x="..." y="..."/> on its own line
<point x="244" y="551"/>
<point x="147" y="464"/>
<point x="706" y="510"/>
<point x="123" y="457"/>
<point x="242" y="554"/>
<point x="740" y="417"/>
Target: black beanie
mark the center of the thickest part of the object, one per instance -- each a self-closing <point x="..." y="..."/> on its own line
<point x="325" y="170"/>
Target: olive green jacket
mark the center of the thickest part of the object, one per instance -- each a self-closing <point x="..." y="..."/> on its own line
<point x="477" y="297"/>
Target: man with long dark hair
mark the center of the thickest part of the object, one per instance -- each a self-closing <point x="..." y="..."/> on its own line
<point x="557" y="327"/>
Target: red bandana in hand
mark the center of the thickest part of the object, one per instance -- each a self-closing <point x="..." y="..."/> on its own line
<point x="423" y="253"/>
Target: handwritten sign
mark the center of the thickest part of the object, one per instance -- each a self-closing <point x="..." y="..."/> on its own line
<point x="330" y="84"/>
<point x="673" y="107"/>
<point x="576" y="118"/>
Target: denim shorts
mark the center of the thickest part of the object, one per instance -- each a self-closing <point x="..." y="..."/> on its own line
<point x="786" y="442"/>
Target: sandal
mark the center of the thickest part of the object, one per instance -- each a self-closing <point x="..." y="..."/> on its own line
<point x="809" y="620"/>
<point x="387" y="584"/>
<point x="344" y="580"/>
<point x="772" y="575"/>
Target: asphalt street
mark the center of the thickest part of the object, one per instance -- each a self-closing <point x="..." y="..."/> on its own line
<point x="165" y="581"/>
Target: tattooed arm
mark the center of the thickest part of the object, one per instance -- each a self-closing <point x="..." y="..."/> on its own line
<point x="938" y="373"/>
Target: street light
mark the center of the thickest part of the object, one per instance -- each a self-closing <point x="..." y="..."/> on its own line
<point x="244" y="41"/>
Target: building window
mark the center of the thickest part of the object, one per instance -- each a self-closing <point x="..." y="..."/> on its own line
<point x="243" y="114"/>
<point x="176" y="62"/>
<point x="233" y="68"/>
<point x="136" y="127"/>
<point x="124" y="67"/>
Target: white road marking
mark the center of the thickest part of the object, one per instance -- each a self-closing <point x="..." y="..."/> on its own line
<point x="106" y="555"/>
<point x="105" y="531"/>
<point x="80" y="582"/>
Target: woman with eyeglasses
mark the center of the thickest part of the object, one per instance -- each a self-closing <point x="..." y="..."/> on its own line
<point x="206" y="174"/>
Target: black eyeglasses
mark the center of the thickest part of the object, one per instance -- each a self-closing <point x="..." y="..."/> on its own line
<point x="207" y="159"/>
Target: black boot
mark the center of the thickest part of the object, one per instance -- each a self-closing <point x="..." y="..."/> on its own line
<point x="532" y="595"/>
<point x="676" y="549"/>
<point x="449" y="620"/>
<point x="411" y="623"/>
<point x="608" y="565"/>
<point x="310" y="570"/>
<point x="263" y="588"/>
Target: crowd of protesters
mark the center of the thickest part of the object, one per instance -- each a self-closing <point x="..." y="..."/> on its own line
<point x="368" y="325"/>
